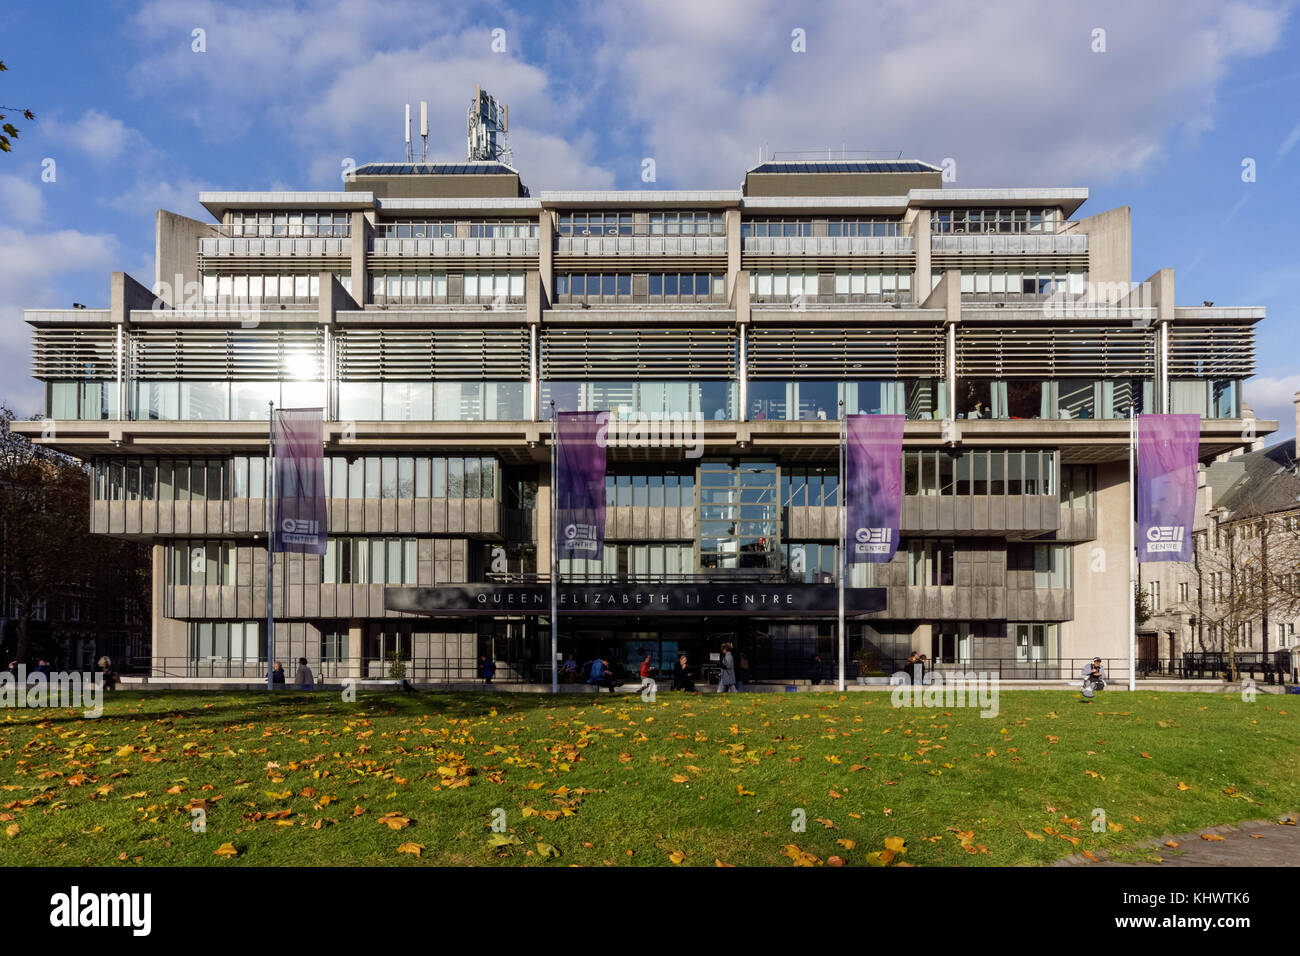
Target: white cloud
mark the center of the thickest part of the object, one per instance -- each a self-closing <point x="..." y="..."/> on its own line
<point x="148" y="194"/>
<point x="21" y="198"/>
<point x="98" y="135"/>
<point x="1274" y="398"/>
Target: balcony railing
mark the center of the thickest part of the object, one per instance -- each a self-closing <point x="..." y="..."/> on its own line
<point x="282" y="247"/>
<point x="641" y="245"/>
<point x="482" y="248"/>
<point x="829" y="245"/>
<point x="1075" y="244"/>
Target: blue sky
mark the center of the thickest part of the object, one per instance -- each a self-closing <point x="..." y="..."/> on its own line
<point x="135" y="120"/>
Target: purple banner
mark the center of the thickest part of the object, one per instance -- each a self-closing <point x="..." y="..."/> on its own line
<point x="299" y="515"/>
<point x="580" y="483"/>
<point x="873" y="486"/>
<point x="1167" y="451"/>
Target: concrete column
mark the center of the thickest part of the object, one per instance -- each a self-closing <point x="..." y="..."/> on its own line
<point x="731" y="224"/>
<point x="362" y="231"/>
<point x="544" y="513"/>
<point x="1159" y="293"/>
<point x="356" y="638"/>
<point x="546" y="256"/>
<point x="176" y="259"/>
<point x="920" y="229"/>
<point x="740" y="300"/>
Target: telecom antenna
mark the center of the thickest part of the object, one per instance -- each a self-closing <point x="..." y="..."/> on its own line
<point x="408" y="132"/>
<point x="487" y="124"/>
<point x="424" y="131"/>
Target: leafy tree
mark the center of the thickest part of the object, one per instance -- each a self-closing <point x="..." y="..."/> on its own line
<point x="7" y="130"/>
<point x="48" y="550"/>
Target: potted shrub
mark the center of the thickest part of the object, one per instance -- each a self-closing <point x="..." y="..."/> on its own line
<point x="868" y="661"/>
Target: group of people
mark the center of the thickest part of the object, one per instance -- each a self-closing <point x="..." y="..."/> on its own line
<point x="306" y="680"/>
<point x="916" y="666"/>
<point x="104" y="666"/>
<point x="599" y="673"/>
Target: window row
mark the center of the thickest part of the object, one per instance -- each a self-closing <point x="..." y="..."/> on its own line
<point x="1064" y="398"/>
<point x="651" y="399"/>
<point x="415" y="287"/>
<point x="433" y="401"/>
<point x="252" y="223"/>
<point x="641" y="562"/>
<point x="227" y="641"/>
<point x="653" y="491"/>
<point x="370" y="561"/>
<point x="807" y="227"/>
<point x="1008" y="220"/>
<point x="1011" y="283"/>
<point x="766" y="284"/>
<point x="201" y="563"/>
<point x="220" y="401"/>
<point x="641" y="287"/>
<point x="243" y="477"/>
<point x="690" y="223"/>
<point x="930" y="472"/>
<point x="449" y="229"/>
<point x="295" y="288"/>
<point x="771" y="400"/>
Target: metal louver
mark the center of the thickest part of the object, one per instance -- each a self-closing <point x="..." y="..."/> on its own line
<point x="846" y="353"/>
<point x="62" y="353"/>
<point x="232" y="354"/>
<point x="1055" y="352"/>
<point x="372" y="355"/>
<point x="625" y="354"/>
<point x="1206" y="351"/>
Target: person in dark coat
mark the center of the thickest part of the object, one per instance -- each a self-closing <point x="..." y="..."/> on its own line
<point x="277" y="675"/>
<point x="681" y="676"/>
<point x="487" y="668"/>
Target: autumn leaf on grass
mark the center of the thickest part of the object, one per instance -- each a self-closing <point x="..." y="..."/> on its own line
<point x="1212" y="837"/>
<point x="412" y="848"/>
<point x="801" y="857"/>
<point x="835" y="861"/>
<point x="358" y="810"/>
<point x="226" y="849"/>
<point x="846" y="843"/>
<point x="1088" y="854"/>
<point x="677" y="857"/>
<point x="717" y="862"/>
<point x="1172" y="844"/>
<point x="680" y="778"/>
<point x="546" y="849"/>
<point x="1030" y="833"/>
<point x="12" y="830"/>
<point x="502" y="839"/>
<point x="1183" y="786"/>
<point x="742" y="792"/>
<point x="394" y="820"/>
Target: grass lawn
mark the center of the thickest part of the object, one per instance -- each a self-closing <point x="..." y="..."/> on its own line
<point x="308" y="778"/>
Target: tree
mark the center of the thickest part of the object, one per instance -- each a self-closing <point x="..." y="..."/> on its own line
<point x="48" y="550"/>
<point x="7" y="130"/>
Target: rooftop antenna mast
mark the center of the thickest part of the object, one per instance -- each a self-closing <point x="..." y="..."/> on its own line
<point x="487" y="124"/>
<point x="424" y="131"/>
<point x="408" y="132"/>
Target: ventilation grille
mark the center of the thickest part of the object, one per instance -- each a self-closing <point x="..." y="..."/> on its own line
<point x="371" y="355"/>
<point x="626" y="354"/>
<point x="846" y="353"/>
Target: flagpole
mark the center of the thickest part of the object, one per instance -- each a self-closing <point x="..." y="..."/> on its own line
<point x="270" y="549"/>
<point x="1132" y="553"/>
<point x="844" y="545"/>
<point x="555" y="563"/>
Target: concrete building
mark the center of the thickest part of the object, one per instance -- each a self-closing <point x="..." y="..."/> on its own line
<point x="437" y="310"/>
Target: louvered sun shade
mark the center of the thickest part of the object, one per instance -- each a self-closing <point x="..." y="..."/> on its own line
<point x="1205" y="351"/>
<point x="373" y="355"/>
<point x="846" y="353"/>
<point x="1055" y="352"/>
<point x="74" y="354"/>
<point x="625" y="354"/>
<point x="231" y="354"/>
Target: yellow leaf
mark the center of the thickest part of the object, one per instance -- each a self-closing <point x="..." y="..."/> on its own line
<point x="1212" y="837"/>
<point x="1172" y="844"/>
<point x="740" y="790"/>
<point x="717" y="862"/>
<point x="847" y="844"/>
<point x="546" y="849"/>
<point x="12" y="830"/>
<point x="412" y="848"/>
<point x="896" y="844"/>
<point x="677" y="856"/>
<point x="679" y="778"/>
<point x="226" y="849"/>
<point x="1183" y="786"/>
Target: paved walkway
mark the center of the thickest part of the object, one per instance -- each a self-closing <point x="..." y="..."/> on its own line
<point x="1258" y="843"/>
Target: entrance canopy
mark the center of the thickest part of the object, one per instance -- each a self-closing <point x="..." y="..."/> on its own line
<point x="748" y="598"/>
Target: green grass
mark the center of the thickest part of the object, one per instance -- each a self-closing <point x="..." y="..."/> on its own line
<point x="118" y="790"/>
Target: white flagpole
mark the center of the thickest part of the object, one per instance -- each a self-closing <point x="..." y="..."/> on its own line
<point x="1132" y="551"/>
<point x="555" y="562"/>
<point x="844" y="544"/>
<point x="270" y="551"/>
